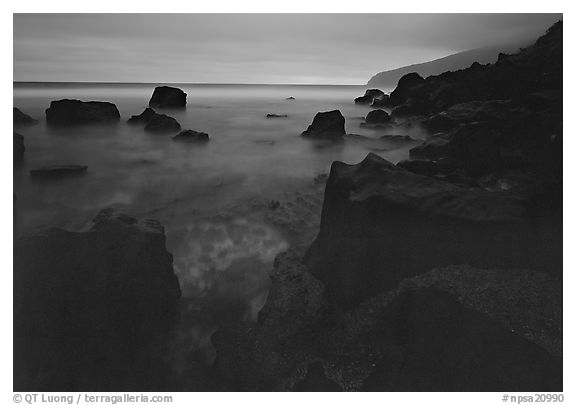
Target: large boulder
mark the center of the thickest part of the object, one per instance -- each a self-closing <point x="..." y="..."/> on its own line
<point x="378" y="117"/>
<point x="375" y="93"/>
<point x="406" y="85"/>
<point x="168" y="97"/>
<point x="366" y="99"/>
<point x="74" y="112"/>
<point x="381" y="223"/>
<point x="18" y="148"/>
<point x="326" y="125"/>
<point x="22" y="119"/>
<point x="93" y="310"/>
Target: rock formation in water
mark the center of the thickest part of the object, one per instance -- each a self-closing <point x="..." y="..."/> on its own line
<point x="326" y="125"/>
<point x="167" y="97"/>
<point x="58" y="171"/>
<point x="378" y="117"/>
<point x="154" y="122"/>
<point x="22" y="119"/>
<point x="189" y="135"/>
<point x="373" y="97"/>
<point x="76" y="112"/>
<point x="93" y="310"/>
<point x="18" y="148"/>
<point x="276" y="116"/>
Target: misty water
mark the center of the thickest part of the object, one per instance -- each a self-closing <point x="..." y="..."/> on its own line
<point x="211" y="198"/>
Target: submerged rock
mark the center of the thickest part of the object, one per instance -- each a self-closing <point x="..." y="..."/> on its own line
<point x="58" y="171"/>
<point x="189" y="135"/>
<point x="74" y="112"/>
<point x="378" y="220"/>
<point x="290" y="98"/>
<point x="168" y="97"/>
<point x="18" y="148"/>
<point x="22" y="119"/>
<point x="326" y="125"/>
<point x="276" y="116"/>
<point x="93" y="310"/>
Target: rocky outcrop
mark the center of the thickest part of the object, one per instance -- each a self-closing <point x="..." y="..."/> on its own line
<point x="168" y="97"/>
<point x="189" y="135"/>
<point x="326" y="125"/>
<point x="154" y="122"/>
<point x="489" y="324"/>
<point x="366" y="99"/>
<point x="373" y="97"/>
<point x="404" y="90"/>
<point x="58" y="171"/>
<point x="76" y="112"/>
<point x="22" y="119"/>
<point x="381" y="223"/>
<point x="93" y="310"/>
<point x="18" y="148"/>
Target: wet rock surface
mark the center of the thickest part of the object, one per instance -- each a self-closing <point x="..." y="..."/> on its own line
<point x="93" y="310"/>
<point x="76" y="112"/>
<point x="168" y="97"/>
<point x="326" y="125"/>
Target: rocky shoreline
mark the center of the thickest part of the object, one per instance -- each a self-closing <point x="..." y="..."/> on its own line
<point x="440" y="273"/>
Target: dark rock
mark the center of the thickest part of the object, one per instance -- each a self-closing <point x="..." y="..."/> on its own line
<point x="162" y="123"/>
<point x="58" y="171"/>
<point x="189" y="135"/>
<point x="273" y="204"/>
<point x="383" y="101"/>
<point x="316" y="381"/>
<point x="290" y="98"/>
<point x="429" y="334"/>
<point x="18" y="148"/>
<point x="429" y="167"/>
<point x="75" y="112"/>
<point x="93" y="311"/>
<point x="376" y="215"/>
<point x="403" y="110"/>
<point x="328" y="124"/>
<point x="363" y="100"/>
<point x="143" y="118"/>
<point x="22" y="119"/>
<point x="375" y="93"/>
<point x="434" y="148"/>
<point x="276" y="116"/>
<point x="321" y="178"/>
<point x="168" y="97"/>
<point x="405" y="88"/>
<point x="378" y="117"/>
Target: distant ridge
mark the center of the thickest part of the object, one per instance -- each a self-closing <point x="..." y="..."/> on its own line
<point x="461" y="60"/>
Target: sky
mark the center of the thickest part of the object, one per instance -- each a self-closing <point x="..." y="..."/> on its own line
<point x="250" y="48"/>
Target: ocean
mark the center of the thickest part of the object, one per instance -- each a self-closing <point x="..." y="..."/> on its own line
<point x="212" y="199"/>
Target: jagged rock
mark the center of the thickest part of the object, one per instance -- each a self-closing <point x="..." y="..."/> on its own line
<point x="22" y="119"/>
<point x="375" y="93"/>
<point x="382" y="101"/>
<point x="168" y="97"/>
<point x="143" y="118"/>
<point x="93" y="310"/>
<point x="58" y="171"/>
<point x="162" y="123"/>
<point x="366" y="99"/>
<point x="189" y="135"/>
<point x="18" y="148"/>
<point x="378" y="117"/>
<point x="75" y="112"/>
<point x="276" y="116"/>
<point x="376" y="216"/>
<point x="326" y="125"/>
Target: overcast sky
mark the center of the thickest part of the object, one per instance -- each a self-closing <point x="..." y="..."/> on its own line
<point x="250" y="48"/>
